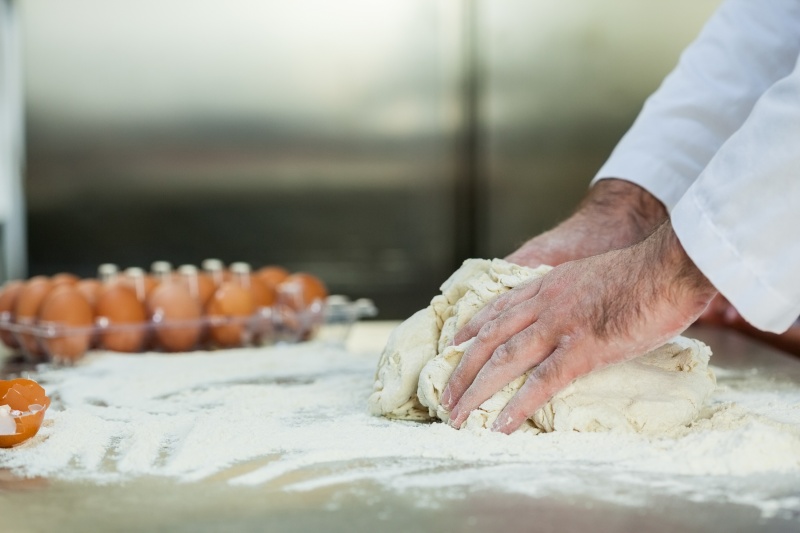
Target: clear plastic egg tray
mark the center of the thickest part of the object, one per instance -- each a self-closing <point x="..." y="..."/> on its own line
<point x="329" y="320"/>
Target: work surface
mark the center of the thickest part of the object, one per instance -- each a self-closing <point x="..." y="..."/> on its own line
<point x="155" y="450"/>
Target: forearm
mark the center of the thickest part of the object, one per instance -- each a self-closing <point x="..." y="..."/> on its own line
<point x="614" y="214"/>
<point x="620" y="211"/>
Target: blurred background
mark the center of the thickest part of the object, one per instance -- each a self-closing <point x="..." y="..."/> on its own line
<point x="375" y="143"/>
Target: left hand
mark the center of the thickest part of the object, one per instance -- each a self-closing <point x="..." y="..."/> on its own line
<point x="581" y="316"/>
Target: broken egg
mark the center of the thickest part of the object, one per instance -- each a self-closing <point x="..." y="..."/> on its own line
<point x="23" y="403"/>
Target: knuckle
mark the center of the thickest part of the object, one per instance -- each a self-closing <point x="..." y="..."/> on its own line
<point x="533" y="338"/>
<point x="499" y="304"/>
<point x="554" y="374"/>
<point x="503" y="355"/>
<point x="567" y="342"/>
<point x="548" y="373"/>
<point x="486" y="332"/>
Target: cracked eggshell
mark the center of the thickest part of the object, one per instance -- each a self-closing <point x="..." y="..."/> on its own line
<point x="29" y="399"/>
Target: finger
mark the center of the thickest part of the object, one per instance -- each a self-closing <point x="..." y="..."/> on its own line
<point x="509" y="361"/>
<point x="553" y="374"/>
<point x="491" y="336"/>
<point x="496" y="307"/>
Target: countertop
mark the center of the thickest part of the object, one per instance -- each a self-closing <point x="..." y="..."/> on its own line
<point x="159" y="504"/>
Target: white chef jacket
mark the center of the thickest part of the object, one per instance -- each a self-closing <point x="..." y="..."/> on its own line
<point x="719" y="144"/>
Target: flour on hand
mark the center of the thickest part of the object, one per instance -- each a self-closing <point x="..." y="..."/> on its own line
<point x="657" y="392"/>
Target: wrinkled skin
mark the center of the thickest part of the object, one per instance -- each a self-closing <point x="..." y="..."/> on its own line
<point x="615" y="214"/>
<point x="608" y="300"/>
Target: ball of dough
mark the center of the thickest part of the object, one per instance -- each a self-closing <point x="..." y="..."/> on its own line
<point x="654" y="393"/>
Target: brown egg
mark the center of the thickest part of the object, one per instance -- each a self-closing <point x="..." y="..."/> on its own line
<point x="272" y="276"/>
<point x="200" y="284"/>
<point x="263" y="296"/>
<point x="215" y="269"/>
<point x="230" y="301"/>
<point x="8" y="300"/>
<point x="176" y="315"/>
<point x="66" y="306"/>
<point x="300" y="290"/>
<point x="90" y="289"/>
<point x="125" y="316"/>
<point x="206" y="287"/>
<point x="141" y="283"/>
<point x="27" y="309"/>
<point x="64" y="278"/>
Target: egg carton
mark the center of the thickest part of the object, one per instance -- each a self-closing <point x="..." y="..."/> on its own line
<point x="329" y="320"/>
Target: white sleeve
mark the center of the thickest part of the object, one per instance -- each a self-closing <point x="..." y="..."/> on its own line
<point x="740" y="221"/>
<point x="743" y="49"/>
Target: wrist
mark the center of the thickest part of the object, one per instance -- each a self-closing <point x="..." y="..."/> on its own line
<point x="623" y="208"/>
<point x="615" y="214"/>
<point x="686" y="285"/>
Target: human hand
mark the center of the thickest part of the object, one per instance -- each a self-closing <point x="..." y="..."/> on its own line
<point x="581" y="316"/>
<point x="721" y="313"/>
<point x="614" y="214"/>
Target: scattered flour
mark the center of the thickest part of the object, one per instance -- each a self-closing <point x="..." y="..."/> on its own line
<point x="294" y="417"/>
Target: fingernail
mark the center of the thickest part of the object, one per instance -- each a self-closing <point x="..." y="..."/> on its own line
<point x="453" y="418"/>
<point x="731" y="315"/>
<point x="446" y="398"/>
<point x="498" y="425"/>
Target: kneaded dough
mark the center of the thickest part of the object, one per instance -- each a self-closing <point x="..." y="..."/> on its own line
<point x="654" y="393"/>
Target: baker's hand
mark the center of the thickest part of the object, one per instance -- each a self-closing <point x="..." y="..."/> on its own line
<point x="614" y="214"/>
<point x="720" y="312"/>
<point x="581" y="316"/>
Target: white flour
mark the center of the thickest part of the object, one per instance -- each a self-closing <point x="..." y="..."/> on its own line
<point x="296" y="417"/>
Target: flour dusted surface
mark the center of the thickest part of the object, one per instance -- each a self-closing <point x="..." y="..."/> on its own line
<point x="294" y="418"/>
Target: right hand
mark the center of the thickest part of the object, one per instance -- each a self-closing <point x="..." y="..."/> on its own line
<point x="615" y="214"/>
<point x="581" y="316"/>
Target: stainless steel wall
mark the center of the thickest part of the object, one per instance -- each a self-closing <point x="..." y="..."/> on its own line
<point x="560" y="83"/>
<point x="368" y="141"/>
<point x="315" y="134"/>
